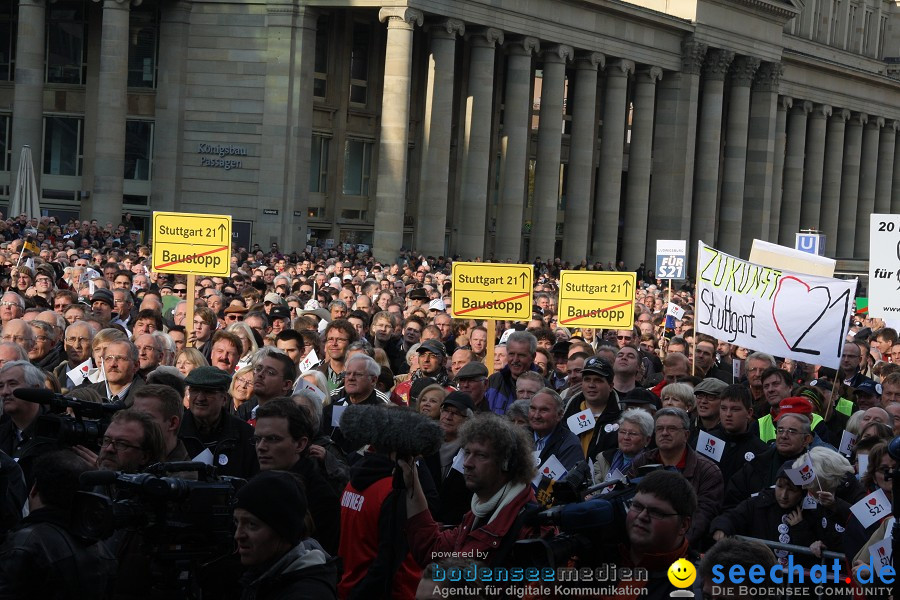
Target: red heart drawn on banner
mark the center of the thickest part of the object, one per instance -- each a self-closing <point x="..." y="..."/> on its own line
<point x="873" y="501"/>
<point x="582" y="417"/>
<point x="881" y="551"/>
<point x="712" y="442"/>
<point x="805" y="469"/>
<point x="811" y="301"/>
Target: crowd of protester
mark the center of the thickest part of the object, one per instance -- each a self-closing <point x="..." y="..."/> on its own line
<point x="256" y="384"/>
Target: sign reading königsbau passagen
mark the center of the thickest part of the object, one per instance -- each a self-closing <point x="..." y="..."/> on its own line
<point x="222" y="151"/>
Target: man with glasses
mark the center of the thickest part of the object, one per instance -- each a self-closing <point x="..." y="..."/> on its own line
<point x="360" y="376"/>
<point x="19" y="332"/>
<point x="673" y="428"/>
<point x="625" y="337"/>
<point x="657" y="526"/>
<point x="12" y="306"/>
<point x="132" y="442"/>
<point x="123" y="303"/>
<point x="63" y="299"/>
<point x="120" y="362"/>
<point x="338" y="335"/>
<point x="472" y="379"/>
<point x="150" y="353"/>
<point x="793" y="437"/>
<point x="273" y="376"/>
<point x="209" y="432"/>
<point x="455" y="499"/>
<point x="282" y="439"/>
<point x="432" y="356"/>
<point x="234" y="314"/>
<point x="77" y="339"/>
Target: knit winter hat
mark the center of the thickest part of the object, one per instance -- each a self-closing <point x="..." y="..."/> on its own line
<point x="276" y="499"/>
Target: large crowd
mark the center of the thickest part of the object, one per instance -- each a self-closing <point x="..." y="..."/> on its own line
<point x="256" y="387"/>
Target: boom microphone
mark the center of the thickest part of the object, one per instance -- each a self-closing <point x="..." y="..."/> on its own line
<point x="59" y="403"/>
<point x="399" y="430"/>
<point x="94" y="478"/>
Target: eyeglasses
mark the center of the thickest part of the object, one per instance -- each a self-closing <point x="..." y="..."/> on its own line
<point x="334" y="340"/>
<point x="243" y="382"/>
<point x="77" y="340"/>
<point x="788" y="431"/>
<point x="43" y="280"/>
<point x="354" y="375"/>
<point x="626" y="433"/>
<point x="179" y="290"/>
<point x="669" y="429"/>
<point x="109" y="358"/>
<point x="13" y="338"/>
<point x="267" y="371"/>
<point x="118" y="445"/>
<point x="654" y="513"/>
<point x="452" y="411"/>
<point x="6" y="303"/>
<point x="233" y="317"/>
<point x="624" y="337"/>
<point x="41" y="338"/>
<point x="269" y="439"/>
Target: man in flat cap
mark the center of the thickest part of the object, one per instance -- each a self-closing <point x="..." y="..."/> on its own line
<point x="209" y="432"/>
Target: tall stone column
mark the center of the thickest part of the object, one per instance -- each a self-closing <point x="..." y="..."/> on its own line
<point x="831" y="182"/>
<point x="735" y="164"/>
<point x="112" y="85"/>
<point x="390" y="199"/>
<point x="884" y="184"/>
<point x="640" y="160"/>
<point x="431" y="220"/>
<point x="784" y="104"/>
<point x="810" y="200"/>
<point x="850" y="185"/>
<point x="28" y="94"/>
<point x="792" y="185"/>
<point x="895" y="185"/>
<point x="709" y="140"/>
<point x="867" y="180"/>
<point x="583" y="143"/>
<point x="168" y="134"/>
<point x="476" y="143"/>
<point x="612" y="147"/>
<point x="672" y="184"/>
<point x="516" y="129"/>
<point x="286" y="138"/>
<point x="549" y="148"/>
<point x="760" y="155"/>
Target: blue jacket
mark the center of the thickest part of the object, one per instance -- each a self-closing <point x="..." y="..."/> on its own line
<point x="501" y="390"/>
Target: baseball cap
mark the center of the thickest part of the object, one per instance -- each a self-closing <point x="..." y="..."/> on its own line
<point x="433" y="346"/>
<point x="437" y="304"/>
<point x="794" y="405"/>
<point x="273" y="298"/>
<point x="597" y="366"/>
<point x="460" y="400"/>
<point x="869" y="387"/>
<point x="280" y="312"/>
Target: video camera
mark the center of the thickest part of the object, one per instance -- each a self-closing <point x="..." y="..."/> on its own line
<point x="86" y="427"/>
<point x="588" y="516"/>
<point x="181" y="520"/>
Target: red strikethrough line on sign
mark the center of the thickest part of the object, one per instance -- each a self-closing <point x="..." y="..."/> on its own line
<point x="187" y="258"/>
<point x="576" y="317"/>
<point x="494" y="302"/>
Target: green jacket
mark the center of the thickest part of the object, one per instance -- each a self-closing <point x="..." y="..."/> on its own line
<point x="767" y="426"/>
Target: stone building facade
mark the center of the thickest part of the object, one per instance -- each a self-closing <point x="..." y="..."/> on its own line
<point x="584" y="130"/>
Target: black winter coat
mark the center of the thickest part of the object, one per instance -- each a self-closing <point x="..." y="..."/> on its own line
<point x="306" y="572"/>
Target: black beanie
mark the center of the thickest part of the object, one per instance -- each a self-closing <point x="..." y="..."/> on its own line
<point x="276" y="499"/>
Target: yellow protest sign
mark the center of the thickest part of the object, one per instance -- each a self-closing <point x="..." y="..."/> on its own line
<point x="597" y="299"/>
<point x="492" y="291"/>
<point x="192" y="244"/>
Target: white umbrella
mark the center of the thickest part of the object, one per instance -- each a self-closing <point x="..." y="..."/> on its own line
<point x="25" y="198"/>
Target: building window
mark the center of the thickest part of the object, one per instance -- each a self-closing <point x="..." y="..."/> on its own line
<point x="359" y="63"/>
<point x="66" y="33"/>
<point x="138" y="149"/>
<point x="7" y="40"/>
<point x="4" y="143"/>
<point x="320" y="75"/>
<point x="357" y="167"/>
<point x="882" y="28"/>
<point x="318" y="164"/>
<point x="851" y="29"/>
<point x="62" y="145"/>
<point x="835" y="21"/>
<point x="353" y="214"/>
<point x="142" y="45"/>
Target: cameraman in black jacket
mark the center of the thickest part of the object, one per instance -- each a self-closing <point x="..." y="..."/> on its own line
<point x="42" y="557"/>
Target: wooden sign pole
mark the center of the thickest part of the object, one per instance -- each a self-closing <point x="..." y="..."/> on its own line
<point x="489" y="354"/>
<point x="189" y="313"/>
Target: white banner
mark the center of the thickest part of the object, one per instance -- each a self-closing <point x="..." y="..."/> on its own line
<point x="803" y="317"/>
<point x="884" y="266"/>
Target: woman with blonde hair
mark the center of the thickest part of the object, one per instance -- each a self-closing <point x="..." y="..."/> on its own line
<point x="430" y="400"/>
<point x="189" y="359"/>
<point x="243" y="331"/>
<point x="241" y="386"/>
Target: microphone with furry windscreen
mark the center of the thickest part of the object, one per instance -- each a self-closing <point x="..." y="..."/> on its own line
<point x="389" y="430"/>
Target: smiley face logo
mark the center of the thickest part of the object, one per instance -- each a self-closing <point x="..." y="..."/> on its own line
<point x="682" y="573"/>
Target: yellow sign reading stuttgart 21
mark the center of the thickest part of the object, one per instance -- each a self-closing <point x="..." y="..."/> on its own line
<point x="492" y="291"/>
<point x="597" y="299"/>
<point x="192" y="244"/>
